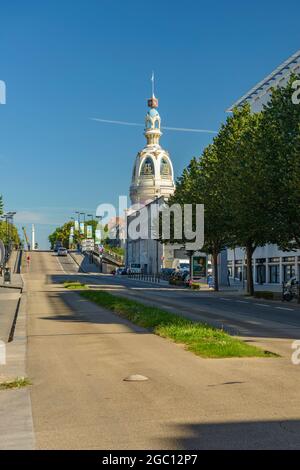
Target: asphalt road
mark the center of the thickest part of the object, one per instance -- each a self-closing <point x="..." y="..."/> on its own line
<point x="238" y="315"/>
<point x="79" y="354"/>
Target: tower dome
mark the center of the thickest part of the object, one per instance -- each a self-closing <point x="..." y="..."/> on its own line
<point x="153" y="174"/>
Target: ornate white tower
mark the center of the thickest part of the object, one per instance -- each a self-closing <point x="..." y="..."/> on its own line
<point x="153" y="171"/>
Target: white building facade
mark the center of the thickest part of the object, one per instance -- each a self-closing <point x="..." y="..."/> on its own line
<point x="271" y="265"/>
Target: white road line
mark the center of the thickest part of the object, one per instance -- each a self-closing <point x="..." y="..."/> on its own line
<point x="61" y="265"/>
<point x="262" y="305"/>
<point x="223" y="298"/>
<point x="283" y="308"/>
<point x="242" y="302"/>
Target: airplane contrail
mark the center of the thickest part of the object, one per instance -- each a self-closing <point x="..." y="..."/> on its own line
<point x="179" y="129"/>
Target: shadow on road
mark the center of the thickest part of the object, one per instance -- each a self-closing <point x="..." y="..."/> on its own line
<point x="256" y="435"/>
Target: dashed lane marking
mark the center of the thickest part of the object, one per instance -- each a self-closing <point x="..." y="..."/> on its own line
<point x="262" y="305"/>
<point x="284" y="308"/>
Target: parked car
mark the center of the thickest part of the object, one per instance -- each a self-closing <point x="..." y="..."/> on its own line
<point x="57" y="246"/>
<point x="62" y="251"/>
<point x="135" y="268"/>
<point x="121" y="271"/>
<point x="166" y="273"/>
<point x="178" y="278"/>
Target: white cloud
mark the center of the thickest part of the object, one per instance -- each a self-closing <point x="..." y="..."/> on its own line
<point x="26" y="217"/>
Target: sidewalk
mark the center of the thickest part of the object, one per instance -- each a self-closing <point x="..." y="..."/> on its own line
<point x="16" y="426"/>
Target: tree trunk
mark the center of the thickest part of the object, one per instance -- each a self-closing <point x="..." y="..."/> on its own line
<point x="191" y="266"/>
<point x="250" y="285"/>
<point x="216" y="271"/>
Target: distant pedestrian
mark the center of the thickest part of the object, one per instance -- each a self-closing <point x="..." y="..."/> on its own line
<point x="228" y="278"/>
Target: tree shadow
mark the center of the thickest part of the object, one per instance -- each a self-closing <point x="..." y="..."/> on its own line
<point x="254" y="435"/>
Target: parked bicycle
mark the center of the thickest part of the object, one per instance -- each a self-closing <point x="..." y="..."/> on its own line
<point x="290" y="290"/>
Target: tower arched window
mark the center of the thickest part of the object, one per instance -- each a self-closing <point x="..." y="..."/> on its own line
<point x="148" y="167"/>
<point x="165" y="169"/>
<point x="156" y="124"/>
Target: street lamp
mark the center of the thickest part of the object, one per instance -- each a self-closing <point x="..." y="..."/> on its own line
<point x="99" y="217"/>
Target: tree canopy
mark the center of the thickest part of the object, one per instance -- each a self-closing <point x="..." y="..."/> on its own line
<point x="249" y="181"/>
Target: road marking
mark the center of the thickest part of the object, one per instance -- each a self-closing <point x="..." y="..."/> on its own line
<point x="262" y="305"/>
<point x="283" y="308"/>
<point x="223" y="298"/>
<point x="242" y="302"/>
<point x="61" y="265"/>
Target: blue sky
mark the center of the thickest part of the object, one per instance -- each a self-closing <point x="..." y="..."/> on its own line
<point x="67" y="61"/>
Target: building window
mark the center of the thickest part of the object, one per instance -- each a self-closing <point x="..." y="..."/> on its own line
<point x="238" y="273"/>
<point x="288" y="272"/>
<point x="274" y="274"/>
<point x="148" y="167"/>
<point x="164" y="167"/>
<point x="261" y="274"/>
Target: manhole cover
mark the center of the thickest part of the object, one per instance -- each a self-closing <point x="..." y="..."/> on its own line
<point x="135" y="378"/>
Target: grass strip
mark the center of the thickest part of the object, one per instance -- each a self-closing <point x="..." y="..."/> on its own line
<point x="199" y="338"/>
<point x="19" y="382"/>
<point x="74" y="285"/>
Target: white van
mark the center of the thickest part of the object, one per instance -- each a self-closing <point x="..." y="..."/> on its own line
<point x="135" y="268"/>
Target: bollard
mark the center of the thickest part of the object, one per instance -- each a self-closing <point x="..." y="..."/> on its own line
<point x="7" y="276"/>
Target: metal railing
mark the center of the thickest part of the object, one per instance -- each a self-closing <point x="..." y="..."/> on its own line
<point x="154" y="278"/>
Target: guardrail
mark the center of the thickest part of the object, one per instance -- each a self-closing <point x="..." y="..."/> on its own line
<point x="18" y="262"/>
<point x="110" y="256"/>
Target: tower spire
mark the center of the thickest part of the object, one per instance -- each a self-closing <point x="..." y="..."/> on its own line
<point x="153" y="102"/>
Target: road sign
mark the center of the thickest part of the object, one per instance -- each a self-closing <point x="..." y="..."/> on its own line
<point x="98" y="236"/>
<point x="2" y="252"/>
<point x="88" y="244"/>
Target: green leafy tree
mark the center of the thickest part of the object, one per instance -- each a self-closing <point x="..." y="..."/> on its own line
<point x="243" y="185"/>
<point x="9" y="233"/>
<point x="280" y="149"/>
